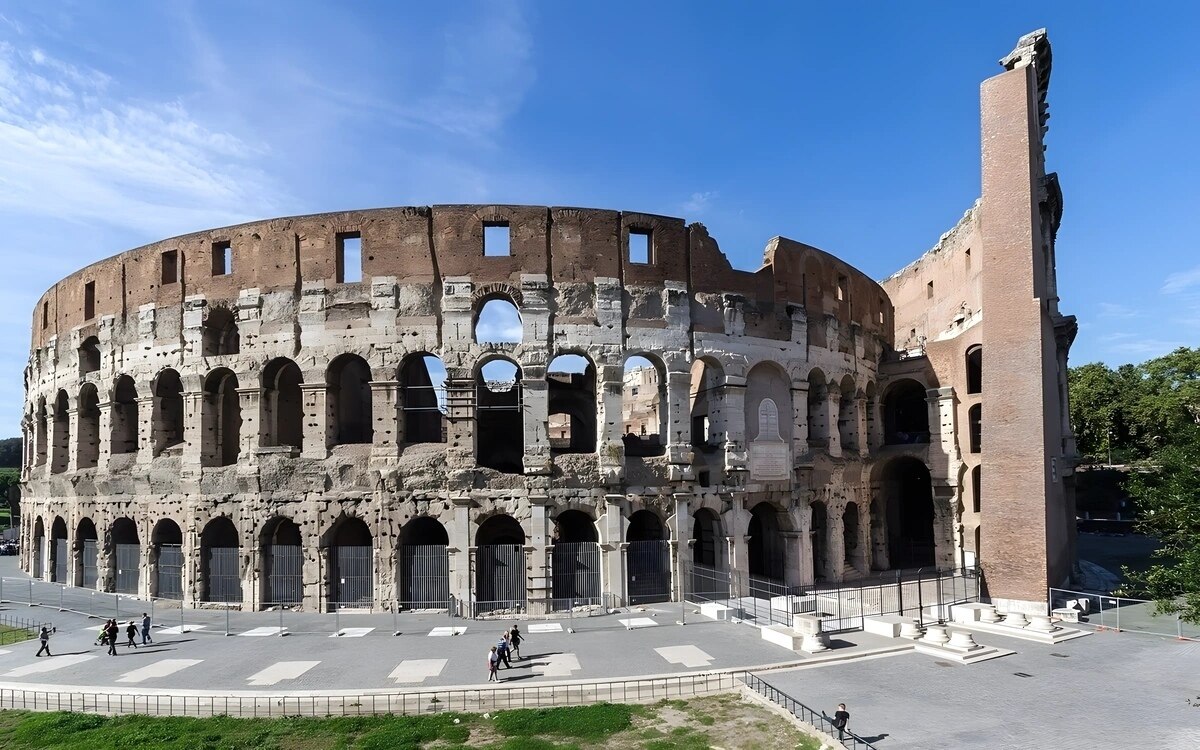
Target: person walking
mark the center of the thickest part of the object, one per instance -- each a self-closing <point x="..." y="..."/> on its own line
<point x="493" y="666"/>
<point x="146" y="629"/>
<point x="102" y="638"/>
<point x="131" y="634"/>
<point x="514" y="639"/>
<point x="44" y="637"/>
<point x="502" y="651"/>
<point x="841" y="717"/>
<point x="112" y="632"/>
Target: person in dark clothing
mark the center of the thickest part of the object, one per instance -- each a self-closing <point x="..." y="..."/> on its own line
<point x="502" y="652"/>
<point x="146" y="629"/>
<point x="515" y="638"/>
<point x="113" y="632"/>
<point x="131" y="634"/>
<point x="44" y="637"/>
<point x="841" y="717"/>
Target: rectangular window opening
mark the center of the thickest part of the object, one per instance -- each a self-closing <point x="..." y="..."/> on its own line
<point x="841" y="288"/>
<point x="222" y="258"/>
<point x="89" y="300"/>
<point x="640" y="246"/>
<point x="170" y="266"/>
<point x="881" y="310"/>
<point x="496" y="239"/>
<point x="929" y="290"/>
<point x="349" y="258"/>
<point x="45" y="315"/>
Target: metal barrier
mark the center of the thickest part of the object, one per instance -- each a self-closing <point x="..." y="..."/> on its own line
<point x="802" y="712"/>
<point x="1107" y="612"/>
<point x="17" y="629"/>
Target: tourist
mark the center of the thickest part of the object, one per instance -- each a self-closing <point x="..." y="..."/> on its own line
<point x="44" y="637"/>
<point x="112" y="632"/>
<point x="131" y="633"/>
<point x="514" y="638"/>
<point x="841" y="718"/>
<point x="146" y="629"/>
<point x="102" y="639"/>
<point x="502" y="650"/>
<point x="493" y="666"/>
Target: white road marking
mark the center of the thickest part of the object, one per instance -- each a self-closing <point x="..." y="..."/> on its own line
<point x="4" y="651"/>
<point x="177" y="629"/>
<point x="545" y="627"/>
<point x="260" y="632"/>
<point x="688" y="656"/>
<point x="49" y="664"/>
<point x="638" y="622"/>
<point x="557" y="665"/>
<point x="351" y="632"/>
<point x="281" y="670"/>
<point x="158" y="669"/>
<point x="417" y="670"/>
<point x="447" y="631"/>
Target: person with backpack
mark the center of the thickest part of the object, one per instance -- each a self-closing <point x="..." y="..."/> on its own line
<point x="502" y="652"/>
<point x="44" y="637"/>
<point x="515" y="638"/>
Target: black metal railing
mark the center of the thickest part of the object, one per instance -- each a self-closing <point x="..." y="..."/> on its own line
<point x="802" y="712"/>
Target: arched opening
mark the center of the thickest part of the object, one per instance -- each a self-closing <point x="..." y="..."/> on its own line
<point x="221" y="419"/>
<point x="818" y="410"/>
<point x="282" y="405"/>
<point x="424" y="564"/>
<point x="768" y="410"/>
<point x="905" y="414"/>
<point x="853" y="552"/>
<point x="39" y="549"/>
<point x="976" y="488"/>
<point x="879" y="532"/>
<point x="40" y="437"/>
<point x="978" y="545"/>
<point x="820" y="541"/>
<point x="500" y="565"/>
<point x="498" y="322"/>
<point x="643" y="407"/>
<point x="423" y="395"/>
<point x="975" y="369"/>
<point x="706" y="399"/>
<point x="710" y="563"/>
<point x="349" y="380"/>
<point x="219" y="334"/>
<point x="351" y="565"/>
<point x="89" y="356"/>
<point x="124" y="414"/>
<point x="282" y="553"/>
<point x="167" y="560"/>
<point x="499" y="417"/>
<point x="649" y="559"/>
<point x="220" y="558"/>
<point x="88" y="550"/>
<point x="575" y="560"/>
<point x="571" y="381"/>
<point x="975" y="427"/>
<point x="59" y="555"/>
<point x="167" y="426"/>
<point x="766" y="551"/>
<point x="848" y="416"/>
<point x="126" y="557"/>
<point x="87" y="442"/>
<point x="909" y="494"/>
<point x="62" y="433"/>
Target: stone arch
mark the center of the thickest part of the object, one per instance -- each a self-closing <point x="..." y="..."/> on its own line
<point x="221" y="419"/>
<point x="219" y="333"/>
<point x="61" y="440"/>
<point x="87" y="551"/>
<point x="124" y="417"/>
<point x="766" y="548"/>
<point x="710" y="548"/>
<point x="499" y="418"/>
<point x="87" y="439"/>
<point x="89" y="356"/>
<point x="39" y="549"/>
<point x="282" y="405"/>
<point x="644" y="405"/>
<point x="975" y="428"/>
<point x="497" y="319"/>
<point x="571" y="423"/>
<point x="59" y="555"/>
<point x="351" y="563"/>
<point x="220" y="561"/>
<point x="820" y="541"/>
<point x="282" y="553"/>
<point x="349" y="380"/>
<point x="854" y="552"/>
<point x="977" y="489"/>
<point x="768" y="419"/>
<point x="168" y="410"/>
<point x="905" y="413"/>
<point x="575" y="560"/>
<point x="40" y="437"/>
<point x="166" y="559"/>
<point x="649" y="558"/>
<point x="124" y="556"/>
<point x="424" y="580"/>
<point x="423" y="398"/>
<point x="908" y="496"/>
<point x="974" y="363"/>
<point x="500" y="571"/>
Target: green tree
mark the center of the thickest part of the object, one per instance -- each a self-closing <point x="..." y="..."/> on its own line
<point x="10" y="453"/>
<point x="1094" y="406"/>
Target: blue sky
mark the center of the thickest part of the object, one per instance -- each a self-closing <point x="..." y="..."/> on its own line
<point x="853" y="127"/>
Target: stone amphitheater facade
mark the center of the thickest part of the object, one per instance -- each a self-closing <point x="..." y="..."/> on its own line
<point x="256" y="414"/>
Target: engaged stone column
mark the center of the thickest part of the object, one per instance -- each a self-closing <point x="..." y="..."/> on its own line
<point x="316" y="420"/>
<point x="679" y="423"/>
<point x="72" y="442"/>
<point x="734" y="410"/>
<point x="861" y="435"/>
<point x="104" y="439"/>
<point x="799" y="417"/>
<point x="612" y="552"/>
<point x="539" y="579"/>
<point x="833" y="403"/>
<point x="193" y="431"/>
<point x="385" y="415"/>
<point x="680" y="540"/>
<point x="249" y="435"/>
<point x="461" y="550"/>
<point x="535" y="398"/>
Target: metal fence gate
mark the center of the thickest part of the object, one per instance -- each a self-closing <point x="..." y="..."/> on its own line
<point x="709" y="583"/>
<point x="170" y="571"/>
<point x="500" y="577"/>
<point x="649" y="564"/>
<point x="285" y="577"/>
<point x="353" y="582"/>
<point x="39" y="556"/>
<point x="88" y="556"/>
<point x="222" y="574"/>
<point x="129" y="563"/>
<point x="60" y="560"/>
<point x="425" y="576"/>
<point x="576" y="574"/>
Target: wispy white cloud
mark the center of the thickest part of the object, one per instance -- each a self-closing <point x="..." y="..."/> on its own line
<point x="1181" y="281"/>
<point x="699" y="202"/>
<point x="1138" y="345"/>
<point x="1115" y="310"/>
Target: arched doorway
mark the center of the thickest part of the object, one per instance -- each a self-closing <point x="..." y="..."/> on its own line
<point x="710" y="563"/>
<point x="499" y="417"/>
<point x="282" y="574"/>
<point x="39" y="549"/>
<point x="424" y="564"/>
<point x="349" y="381"/>
<point x="282" y="404"/>
<point x="766" y="552"/>
<point x="221" y="415"/>
<point x="59" y="555"/>
<point x="571" y="381"/>
<point x="126" y="557"/>
<point x="909" y="495"/>
<point x="87" y="549"/>
<point x="649" y="559"/>
<point x="575" y="560"/>
<point x="905" y="414"/>
<point x="166" y="550"/>
<point x="220" y="569"/>
<point x="853" y="552"/>
<point x="500" y="565"/>
<point x="351" y="565"/>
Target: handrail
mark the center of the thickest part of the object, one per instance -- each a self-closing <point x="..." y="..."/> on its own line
<point x="802" y="712"/>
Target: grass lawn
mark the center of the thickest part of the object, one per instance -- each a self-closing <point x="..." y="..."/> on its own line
<point x="721" y="721"/>
<point x="9" y="634"/>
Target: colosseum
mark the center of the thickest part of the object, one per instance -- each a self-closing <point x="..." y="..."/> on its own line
<point x="320" y="411"/>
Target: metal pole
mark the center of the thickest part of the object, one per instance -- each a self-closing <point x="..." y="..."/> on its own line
<point x="181" y="628"/>
<point x="31" y="592"/>
<point x="61" y="590"/>
<point x="117" y="606"/>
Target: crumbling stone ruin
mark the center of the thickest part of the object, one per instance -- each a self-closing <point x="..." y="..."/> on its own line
<point x="303" y="411"/>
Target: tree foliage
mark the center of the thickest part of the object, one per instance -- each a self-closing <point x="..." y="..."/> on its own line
<point x="10" y="453"/>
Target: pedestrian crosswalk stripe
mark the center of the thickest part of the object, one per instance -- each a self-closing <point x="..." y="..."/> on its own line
<point x="638" y="622"/>
<point x="281" y="670"/>
<point x="417" y="670"/>
<point x="161" y="668"/>
<point x="545" y="627"/>
<point x="351" y="632"/>
<point x="268" y="630"/>
<point x="688" y="656"/>
<point x="557" y="665"/>
<point x="447" y="631"/>
<point x="49" y="664"/>
<point x="180" y="629"/>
